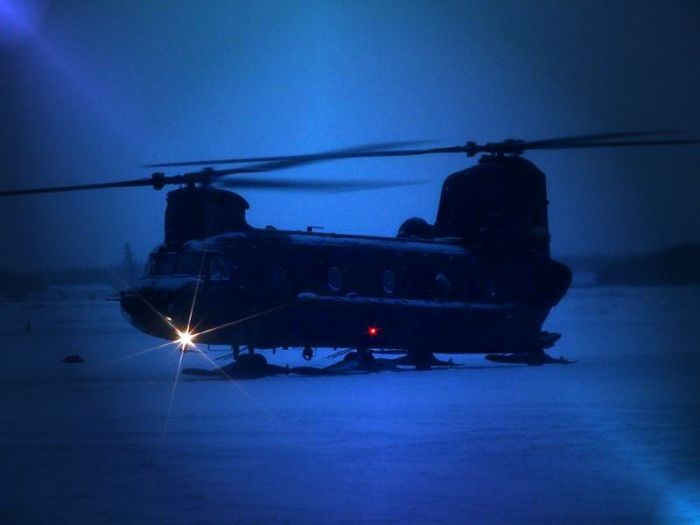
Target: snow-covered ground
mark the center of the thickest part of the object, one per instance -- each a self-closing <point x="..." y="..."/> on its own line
<point x="612" y="439"/>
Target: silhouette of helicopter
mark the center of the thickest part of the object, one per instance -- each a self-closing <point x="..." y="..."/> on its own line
<point x="479" y="280"/>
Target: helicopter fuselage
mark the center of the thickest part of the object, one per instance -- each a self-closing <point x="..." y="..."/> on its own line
<point x="267" y="288"/>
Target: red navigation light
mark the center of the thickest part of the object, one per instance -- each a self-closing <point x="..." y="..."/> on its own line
<point x="373" y="331"/>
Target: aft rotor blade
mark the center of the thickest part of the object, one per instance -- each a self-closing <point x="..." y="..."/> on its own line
<point x="504" y="147"/>
<point x="313" y="157"/>
<point x="387" y="149"/>
<point x="312" y="184"/>
<point x="617" y="144"/>
<point x="470" y="149"/>
<point x="530" y="144"/>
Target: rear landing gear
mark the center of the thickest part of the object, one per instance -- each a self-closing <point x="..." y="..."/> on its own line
<point x="423" y="360"/>
<point x="361" y="355"/>
<point x="362" y="360"/>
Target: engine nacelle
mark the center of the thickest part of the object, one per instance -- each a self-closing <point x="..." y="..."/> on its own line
<point x="197" y="212"/>
<point x="499" y="205"/>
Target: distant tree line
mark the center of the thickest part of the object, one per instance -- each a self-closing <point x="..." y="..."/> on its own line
<point x="20" y="285"/>
<point x="678" y="265"/>
<point x="674" y="266"/>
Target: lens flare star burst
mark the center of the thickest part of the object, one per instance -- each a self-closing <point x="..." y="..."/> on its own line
<point x="185" y="340"/>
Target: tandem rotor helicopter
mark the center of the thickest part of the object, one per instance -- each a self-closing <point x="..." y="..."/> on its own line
<point x="479" y="280"/>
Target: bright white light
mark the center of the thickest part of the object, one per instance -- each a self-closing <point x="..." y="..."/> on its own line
<point x="185" y="340"/>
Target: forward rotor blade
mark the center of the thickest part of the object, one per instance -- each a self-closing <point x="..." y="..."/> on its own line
<point x="206" y="176"/>
<point x="313" y="157"/>
<point x="300" y="160"/>
<point x="79" y="187"/>
<point x="334" y="186"/>
<point x="295" y="162"/>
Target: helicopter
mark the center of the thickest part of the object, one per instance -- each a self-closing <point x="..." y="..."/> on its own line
<point x="479" y="280"/>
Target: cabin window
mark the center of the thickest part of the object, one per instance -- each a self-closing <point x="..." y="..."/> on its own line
<point x="161" y="264"/>
<point x="276" y="278"/>
<point x="335" y="279"/>
<point x="219" y="269"/>
<point x="388" y="281"/>
<point x="442" y="285"/>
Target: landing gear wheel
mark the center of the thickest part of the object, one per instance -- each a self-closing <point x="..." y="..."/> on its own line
<point x="307" y="353"/>
<point x="365" y="355"/>
<point x="251" y="360"/>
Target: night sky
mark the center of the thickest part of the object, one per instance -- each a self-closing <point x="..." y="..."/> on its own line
<point x="92" y="90"/>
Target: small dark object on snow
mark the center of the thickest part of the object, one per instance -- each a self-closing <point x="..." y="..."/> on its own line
<point x="73" y="358"/>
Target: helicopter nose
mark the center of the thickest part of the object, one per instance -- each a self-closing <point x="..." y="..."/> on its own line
<point x="147" y="309"/>
<point x="159" y="308"/>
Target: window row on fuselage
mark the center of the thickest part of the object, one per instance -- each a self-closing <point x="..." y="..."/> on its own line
<point x="274" y="270"/>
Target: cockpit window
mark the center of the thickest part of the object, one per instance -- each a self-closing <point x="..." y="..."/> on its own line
<point x="163" y="264"/>
<point x="190" y="263"/>
<point x="219" y="268"/>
